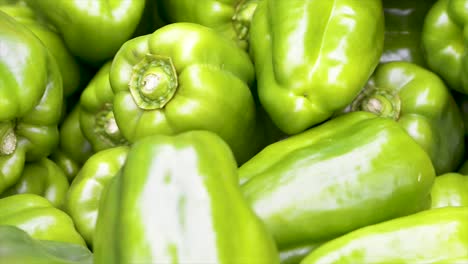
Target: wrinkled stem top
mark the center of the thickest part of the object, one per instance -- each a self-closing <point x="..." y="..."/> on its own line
<point x="8" y="138"/>
<point x="242" y="18"/>
<point x="379" y="101"/>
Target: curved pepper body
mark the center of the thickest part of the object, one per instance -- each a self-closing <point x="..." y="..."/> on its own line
<point x="43" y="178"/>
<point x="444" y="41"/>
<point x="20" y="248"/>
<point x="229" y="17"/>
<point x="450" y="189"/>
<point x="432" y="236"/>
<point x="170" y="204"/>
<point x="97" y="119"/>
<point x="304" y="187"/>
<point x="183" y="77"/>
<point x="85" y="192"/>
<point x="92" y="29"/>
<point x="313" y="57"/>
<point x="31" y="105"/>
<point x="421" y="103"/>
<point x="39" y="218"/>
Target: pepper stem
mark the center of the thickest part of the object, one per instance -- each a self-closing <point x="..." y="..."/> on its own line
<point x="8" y="138"/>
<point x="242" y="18"/>
<point x="153" y="82"/>
<point x="107" y="128"/>
<point x="380" y="101"/>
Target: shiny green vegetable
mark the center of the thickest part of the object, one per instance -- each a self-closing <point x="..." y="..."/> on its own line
<point x="92" y="29"/>
<point x="450" y="189"/>
<point x="43" y="178"/>
<point x="170" y="204"/>
<point x="432" y="236"/>
<point x="39" y="218"/>
<point x="31" y="100"/>
<point x="85" y="191"/>
<point x="345" y="174"/>
<point x="312" y="57"/>
<point x="17" y="247"/>
<point x="184" y="77"/>
<point x="421" y="103"/>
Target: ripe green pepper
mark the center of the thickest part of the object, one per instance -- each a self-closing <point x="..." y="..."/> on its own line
<point x="74" y="149"/>
<point x="18" y="247"/>
<point x="96" y="113"/>
<point x="83" y="197"/>
<point x="450" y="189"/>
<point x="444" y="42"/>
<point x="43" y="178"/>
<point x="170" y="204"/>
<point x="68" y="65"/>
<point x="229" y="17"/>
<point x="31" y="100"/>
<point x="432" y="236"/>
<point x="403" y="25"/>
<point x="92" y="29"/>
<point x="39" y="218"/>
<point x="183" y="77"/>
<point x="421" y="103"/>
<point x="312" y="57"/>
<point x="347" y="173"/>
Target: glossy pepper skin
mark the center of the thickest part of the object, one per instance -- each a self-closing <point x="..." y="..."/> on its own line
<point x="92" y="29"/>
<point x="182" y="77"/>
<point x="421" y="103"/>
<point x="338" y="170"/>
<point x="231" y="18"/>
<point x="403" y="25"/>
<point x="31" y="100"/>
<point x="68" y="65"/>
<point x="450" y="189"/>
<point x="97" y="119"/>
<point x="309" y="61"/>
<point x="74" y="149"/>
<point x="444" y="42"/>
<point x="85" y="192"/>
<point x="19" y="247"/>
<point x="39" y="218"/>
<point x="43" y="178"/>
<point x="174" y="177"/>
<point x="432" y="236"/>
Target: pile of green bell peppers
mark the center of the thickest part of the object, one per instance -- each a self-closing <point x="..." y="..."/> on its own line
<point x="233" y="131"/>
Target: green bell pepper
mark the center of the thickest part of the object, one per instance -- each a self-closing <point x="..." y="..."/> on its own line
<point x="432" y="236"/>
<point x="43" y="178"/>
<point x="331" y="179"/>
<point x="296" y="255"/>
<point x="184" y="77"/>
<point x="421" y="103"/>
<point x="83" y="197"/>
<point x="444" y="42"/>
<point x="92" y="29"/>
<point x="150" y="20"/>
<point x="229" y="17"/>
<point x="39" y="218"/>
<point x="170" y="204"/>
<point x="463" y="168"/>
<point x="68" y="65"/>
<point x="74" y="149"/>
<point x="450" y="189"/>
<point x="97" y="120"/>
<point x="18" y="247"/>
<point x="31" y="100"/>
<point x="312" y="57"/>
<point x="403" y="25"/>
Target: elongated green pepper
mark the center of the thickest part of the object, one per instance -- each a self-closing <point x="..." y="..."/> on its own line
<point x="39" y="218"/>
<point x="312" y="57"/>
<point x="170" y="204"/>
<point x="31" y="100"/>
<point x="450" y="189"/>
<point x="421" y="103"/>
<point x="432" y="236"/>
<point x="347" y="173"/>
<point x="85" y="192"/>
<point x="182" y="77"/>
<point x="43" y="178"/>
